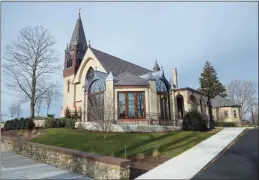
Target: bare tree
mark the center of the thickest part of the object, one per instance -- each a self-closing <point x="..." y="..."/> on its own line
<point x="12" y="109"/>
<point x="100" y="110"/>
<point x="18" y="108"/>
<point x="243" y="93"/>
<point x="49" y="97"/>
<point x="29" y="61"/>
<point x="38" y="106"/>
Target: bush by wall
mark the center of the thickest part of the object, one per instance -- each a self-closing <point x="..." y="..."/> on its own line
<point x="60" y="123"/>
<point x="194" y="121"/>
<point x="70" y="123"/>
<point x="50" y="123"/>
<point x="19" y="124"/>
<point x="225" y="124"/>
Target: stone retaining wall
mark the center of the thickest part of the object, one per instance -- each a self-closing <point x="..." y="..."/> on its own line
<point x="91" y="165"/>
<point x="92" y="126"/>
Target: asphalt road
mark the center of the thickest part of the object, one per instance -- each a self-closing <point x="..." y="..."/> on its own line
<point x="240" y="161"/>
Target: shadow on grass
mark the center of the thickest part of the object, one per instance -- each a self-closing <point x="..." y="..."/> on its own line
<point x="149" y="150"/>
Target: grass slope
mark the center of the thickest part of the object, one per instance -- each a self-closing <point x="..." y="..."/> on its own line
<point x="169" y="144"/>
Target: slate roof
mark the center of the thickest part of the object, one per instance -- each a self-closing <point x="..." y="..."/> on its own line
<point x="116" y="65"/>
<point x="220" y="101"/>
<point x="157" y="75"/>
<point x="78" y="36"/>
<point x="129" y="79"/>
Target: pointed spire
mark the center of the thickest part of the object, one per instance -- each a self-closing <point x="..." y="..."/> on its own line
<point x="78" y="36"/>
<point x="110" y="77"/>
<point x="156" y="67"/>
<point x="79" y="17"/>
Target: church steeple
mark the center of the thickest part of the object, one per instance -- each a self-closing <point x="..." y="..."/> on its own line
<point x="78" y="36"/>
<point x="76" y="49"/>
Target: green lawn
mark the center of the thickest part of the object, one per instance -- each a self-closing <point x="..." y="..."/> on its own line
<point x="169" y="144"/>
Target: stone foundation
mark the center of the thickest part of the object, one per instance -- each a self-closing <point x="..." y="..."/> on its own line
<point x="91" y="165"/>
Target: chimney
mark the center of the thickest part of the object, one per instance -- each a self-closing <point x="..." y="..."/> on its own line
<point x="175" y="78"/>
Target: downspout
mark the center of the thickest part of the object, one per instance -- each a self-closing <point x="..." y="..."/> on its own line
<point x="149" y="104"/>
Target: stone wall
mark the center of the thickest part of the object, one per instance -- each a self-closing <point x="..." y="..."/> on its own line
<point x="92" y="126"/>
<point x="91" y="165"/>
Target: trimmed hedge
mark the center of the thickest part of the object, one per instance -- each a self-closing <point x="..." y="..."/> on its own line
<point x="60" y="123"/>
<point x="19" y="124"/>
<point x="194" y="121"/>
<point x="225" y="124"/>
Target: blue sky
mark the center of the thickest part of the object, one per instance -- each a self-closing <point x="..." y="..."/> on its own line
<point x="180" y="35"/>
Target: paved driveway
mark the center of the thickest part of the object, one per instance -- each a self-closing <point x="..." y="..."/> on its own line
<point x="16" y="166"/>
<point x="240" y="161"/>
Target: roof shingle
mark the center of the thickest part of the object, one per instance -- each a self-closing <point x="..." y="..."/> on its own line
<point x="128" y="79"/>
<point x="117" y="65"/>
<point x="219" y="101"/>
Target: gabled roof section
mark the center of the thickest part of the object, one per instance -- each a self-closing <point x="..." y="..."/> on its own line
<point x="116" y="65"/>
<point x="128" y="79"/>
<point x="78" y="36"/>
<point x="219" y="101"/>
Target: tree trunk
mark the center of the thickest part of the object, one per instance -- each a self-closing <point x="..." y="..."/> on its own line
<point x="47" y="110"/>
<point x="33" y="93"/>
<point x="210" y="112"/>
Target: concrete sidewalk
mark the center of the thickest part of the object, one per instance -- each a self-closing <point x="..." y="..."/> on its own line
<point x="16" y="166"/>
<point x="189" y="163"/>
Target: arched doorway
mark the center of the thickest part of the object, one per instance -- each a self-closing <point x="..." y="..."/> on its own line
<point x="95" y="104"/>
<point x="163" y="99"/>
<point x="193" y="102"/>
<point x="180" y="105"/>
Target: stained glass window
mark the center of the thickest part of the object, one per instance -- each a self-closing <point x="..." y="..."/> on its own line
<point x="161" y="86"/>
<point x="90" y="74"/>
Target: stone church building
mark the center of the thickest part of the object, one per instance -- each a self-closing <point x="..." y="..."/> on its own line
<point x="97" y="83"/>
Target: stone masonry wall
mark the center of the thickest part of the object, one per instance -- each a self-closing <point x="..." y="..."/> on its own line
<point x="92" y="165"/>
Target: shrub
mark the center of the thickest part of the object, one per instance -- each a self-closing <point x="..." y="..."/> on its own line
<point x="30" y="124"/>
<point x="6" y="125"/>
<point x="155" y="152"/>
<point x="70" y="123"/>
<point x="26" y="134"/>
<point x="22" y="123"/>
<point x="60" y="123"/>
<point x="50" y="123"/>
<point x="140" y="156"/>
<point x="194" y="121"/>
<point x="14" y="124"/>
<point x="20" y="132"/>
<point x="225" y="124"/>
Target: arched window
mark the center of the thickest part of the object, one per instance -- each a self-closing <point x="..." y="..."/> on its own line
<point x="90" y="74"/>
<point x="95" y="105"/>
<point x="163" y="100"/>
<point x="69" y="60"/>
<point x="79" y="112"/>
<point x="96" y="87"/>
<point x="161" y="86"/>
